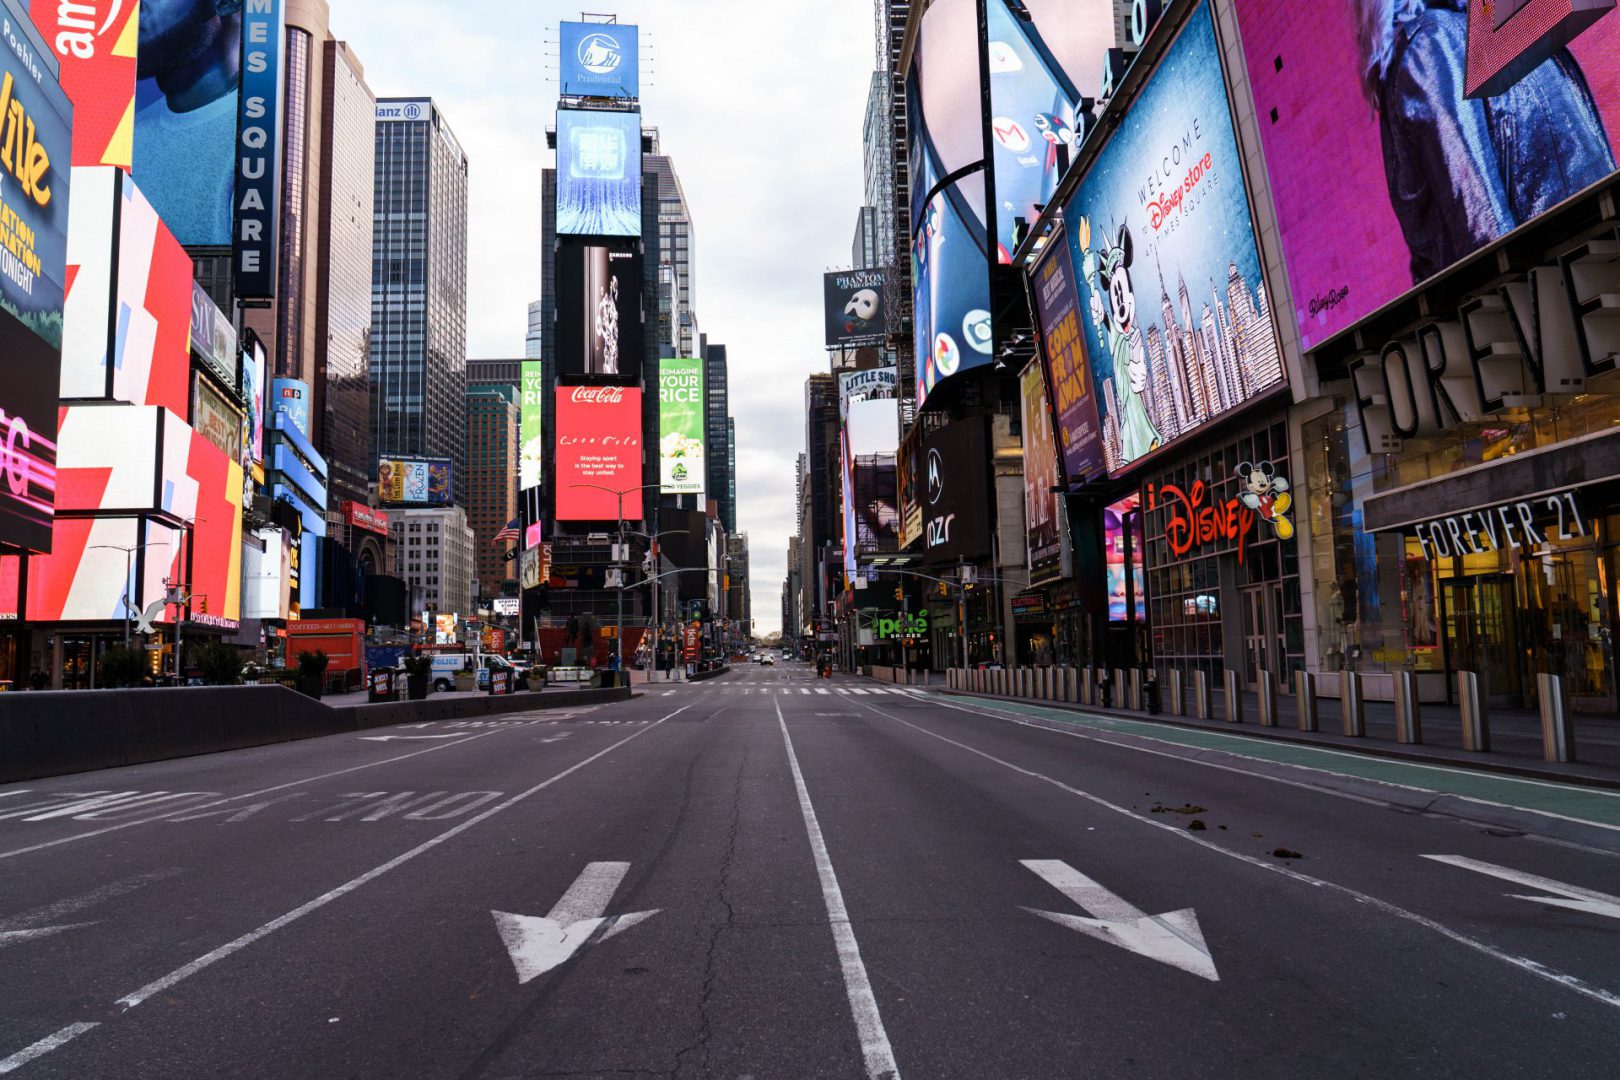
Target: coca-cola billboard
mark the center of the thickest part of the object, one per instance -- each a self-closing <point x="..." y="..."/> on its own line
<point x="599" y="453"/>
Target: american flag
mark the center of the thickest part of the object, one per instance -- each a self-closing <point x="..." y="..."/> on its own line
<point x="508" y="533"/>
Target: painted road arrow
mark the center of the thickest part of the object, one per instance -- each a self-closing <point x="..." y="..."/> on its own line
<point x="1572" y="897"/>
<point x="537" y="945"/>
<point x="391" y="738"/>
<point x="1173" y="938"/>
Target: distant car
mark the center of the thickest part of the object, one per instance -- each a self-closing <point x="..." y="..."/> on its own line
<point x="767" y="658"/>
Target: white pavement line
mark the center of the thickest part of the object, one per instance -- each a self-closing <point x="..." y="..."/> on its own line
<point x="248" y="795"/>
<point x="75" y="904"/>
<point x="822" y="690"/>
<point x="1572" y="897"/>
<point x="44" y="1046"/>
<point x="129" y="1001"/>
<point x="1535" y="968"/>
<point x="804" y="689"/>
<point x="880" y="1063"/>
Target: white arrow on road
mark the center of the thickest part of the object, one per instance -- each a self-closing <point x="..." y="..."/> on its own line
<point x="391" y="738"/>
<point x="1172" y="938"/>
<point x="1572" y="897"/>
<point x="537" y="945"/>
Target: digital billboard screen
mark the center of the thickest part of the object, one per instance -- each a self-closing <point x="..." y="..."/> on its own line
<point x="598" y="173"/>
<point x="1425" y="171"/>
<point x="1118" y="519"/>
<point x="291" y="396"/>
<point x="598" y="59"/>
<point x="598" y="453"/>
<point x="36" y="132"/>
<point x="1062" y="353"/>
<point x="681" y="461"/>
<point x="28" y="418"/>
<point x="599" y="327"/>
<point x="403" y="481"/>
<point x="853" y="301"/>
<point x="96" y="55"/>
<point x="1043" y="509"/>
<point x="1165" y="205"/>
<point x="955" y="480"/>
<point x="531" y="424"/>
<point x="253" y="395"/>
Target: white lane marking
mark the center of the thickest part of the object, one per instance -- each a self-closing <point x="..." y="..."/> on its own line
<point x="399" y="738"/>
<point x="1572" y="897"/>
<point x="822" y="690"/>
<point x="880" y="1063"/>
<point x="858" y="690"/>
<point x="129" y="1001"/>
<point x="1172" y="938"/>
<point x="842" y="690"/>
<point x="44" y="1046"/>
<point x="537" y="945"/>
<point x="1535" y="968"/>
<point x="18" y="928"/>
<point x="17" y="937"/>
<point x="804" y="689"/>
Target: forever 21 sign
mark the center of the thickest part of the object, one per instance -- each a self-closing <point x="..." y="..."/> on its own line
<point x="1526" y="524"/>
<point x="955" y="478"/>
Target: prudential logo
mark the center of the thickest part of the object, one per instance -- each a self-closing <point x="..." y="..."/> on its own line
<point x="599" y="54"/>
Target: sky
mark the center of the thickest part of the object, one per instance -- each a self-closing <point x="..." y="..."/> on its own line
<point x="762" y="116"/>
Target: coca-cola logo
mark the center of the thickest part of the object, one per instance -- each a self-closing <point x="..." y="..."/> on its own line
<point x="597" y="395"/>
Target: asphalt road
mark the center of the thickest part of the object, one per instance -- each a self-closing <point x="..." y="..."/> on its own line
<point x="774" y="876"/>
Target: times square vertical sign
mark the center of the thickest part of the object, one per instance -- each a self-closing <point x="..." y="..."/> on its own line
<point x="258" y="142"/>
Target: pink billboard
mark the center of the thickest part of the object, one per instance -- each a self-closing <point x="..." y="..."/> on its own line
<point x="1404" y="135"/>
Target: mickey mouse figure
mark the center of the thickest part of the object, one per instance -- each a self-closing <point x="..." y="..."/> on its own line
<point x="1267" y="493"/>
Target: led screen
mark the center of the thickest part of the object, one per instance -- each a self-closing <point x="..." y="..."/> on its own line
<point x="415" y="481"/>
<point x="1165" y="209"/>
<point x="107" y="457"/>
<point x="87" y="317"/>
<point x="1115" y="520"/>
<point x="599" y="327"/>
<point x="1067" y="374"/>
<point x="28" y="437"/>
<point x="853" y="305"/>
<point x="291" y="396"/>
<point x="253" y="394"/>
<point x="1382" y="181"/>
<point x="598" y="453"/>
<point x="598" y="173"/>
<point x="681" y="460"/>
<point x="531" y="425"/>
<point x="1043" y="510"/>
<point x="152" y="339"/>
<point x="95" y="49"/>
<point x="185" y="117"/>
<point x="598" y="59"/>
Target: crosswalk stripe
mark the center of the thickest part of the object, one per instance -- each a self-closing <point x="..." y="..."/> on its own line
<point x="804" y="689"/>
<point x="857" y="690"/>
<point x="821" y="690"/>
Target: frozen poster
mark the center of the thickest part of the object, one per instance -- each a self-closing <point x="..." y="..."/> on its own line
<point x="1176" y="321"/>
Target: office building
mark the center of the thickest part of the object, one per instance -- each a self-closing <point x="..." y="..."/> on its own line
<point x="503" y="372"/>
<point x="535" y="337"/>
<point x="718" y="484"/>
<point x="419" y="285"/>
<point x="678" y="248"/>
<point x="489" y="484"/>
<point x="435" y="554"/>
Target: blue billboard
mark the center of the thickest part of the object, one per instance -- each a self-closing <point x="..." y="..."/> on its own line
<point x="598" y="60"/>
<point x="257" y="153"/>
<point x="1166" y="208"/>
<point x="598" y="173"/>
<point x="291" y="396"/>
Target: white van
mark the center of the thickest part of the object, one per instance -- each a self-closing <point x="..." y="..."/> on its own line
<point x="446" y="665"/>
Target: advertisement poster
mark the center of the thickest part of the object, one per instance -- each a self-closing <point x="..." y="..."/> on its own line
<point x="599" y="328"/>
<point x="216" y="419"/>
<point x="598" y="173"/>
<point x="213" y="338"/>
<point x="1057" y="329"/>
<point x="599" y="59"/>
<point x="1043" y="510"/>
<point x="95" y="50"/>
<point x="415" y="481"/>
<point x="854" y="308"/>
<point x="681" y="461"/>
<point x="531" y="425"/>
<point x="291" y="396"/>
<point x="36" y="119"/>
<point x="152" y="338"/>
<point x="1115" y="520"/>
<point x="598" y="453"/>
<point x="956" y="478"/>
<point x="28" y="433"/>
<point x="1177" y="323"/>
<point x="253" y="390"/>
<point x="1462" y="168"/>
<point x="444" y="629"/>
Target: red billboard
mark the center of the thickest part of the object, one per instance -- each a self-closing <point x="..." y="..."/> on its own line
<point x="94" y="43"/>
<point x="364" y="517"/>
<point x="599" y="453"/>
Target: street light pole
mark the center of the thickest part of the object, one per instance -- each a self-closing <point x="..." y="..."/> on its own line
<point x="619" y="494"/>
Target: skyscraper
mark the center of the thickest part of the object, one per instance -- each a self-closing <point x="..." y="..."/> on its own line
<point x="719" y="484"/>
<point x="489" y="485"/>
<point x="677" y="247"/>
<point x="419" y="285"/>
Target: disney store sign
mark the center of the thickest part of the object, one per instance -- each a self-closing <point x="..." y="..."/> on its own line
<point x="1527" y="524"/>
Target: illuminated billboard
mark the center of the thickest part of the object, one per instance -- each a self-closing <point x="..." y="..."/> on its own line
<point x="1043" y="509"/>
<point x="216" y="418"/>
<point x="531" y="425"/>
<point x="107" y="456"/>
<point x="598" y="453"/>
<point x="152" y="338"/>
<point x="599" y="327"/>
<point x="256" y="156"/>
<point x="1056" y="303"/>
<point x="598" y="59"/>
<point x="94" y="45"/>
<point x="681" y="460"/>
<point x="598" y="173"/>
<point x="253" y="395"/>
<point x="415" y="481"/>
<point x="1165" y="205"/>
<point x="1424" y="171"/>
<point x="28" y="437"/>
<point x="853" y="308"/>
<point x="291" y="396"/>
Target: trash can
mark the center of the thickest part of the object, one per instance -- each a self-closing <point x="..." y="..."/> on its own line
<point x="1150" y="692"/>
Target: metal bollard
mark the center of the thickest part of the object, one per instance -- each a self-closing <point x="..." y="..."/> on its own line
<point x="1476" y="725"/>
<point x="1203" y="696"/>
<point x="1121" y="688"/>
<point x="1352" y="705"/>
<point x="1408" y="716"/>
<point x="1557" y="736"/>
<point x="1305" y="699"/>
<point x="1136" y="689"/>
<point x="1233" y="685"/>
<point x="1178" y="699"/>
<point x="1068" y="686"/>
<point x="1266" y="691"/>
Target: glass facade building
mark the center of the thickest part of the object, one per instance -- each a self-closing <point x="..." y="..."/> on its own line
<point x="418" y="285"/>
<point x="489" y="484"/>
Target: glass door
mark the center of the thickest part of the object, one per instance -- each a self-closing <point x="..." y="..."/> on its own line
<point x="1481" y="621"/>
<point x="1256" y="636"/>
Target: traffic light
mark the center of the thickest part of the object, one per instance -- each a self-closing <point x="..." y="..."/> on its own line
<point x="205" y="604"/>
<point x="899" y="595"/>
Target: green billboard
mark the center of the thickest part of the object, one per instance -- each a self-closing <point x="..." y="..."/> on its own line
<point x="680" y="426"/>
<point x="531" y="425"/>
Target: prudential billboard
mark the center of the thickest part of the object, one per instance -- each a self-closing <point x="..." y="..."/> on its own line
<point x="680" y="425"/>
<point x="599" y="59"/>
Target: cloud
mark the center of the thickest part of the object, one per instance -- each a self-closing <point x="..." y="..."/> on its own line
<point x="762" y="116"/>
